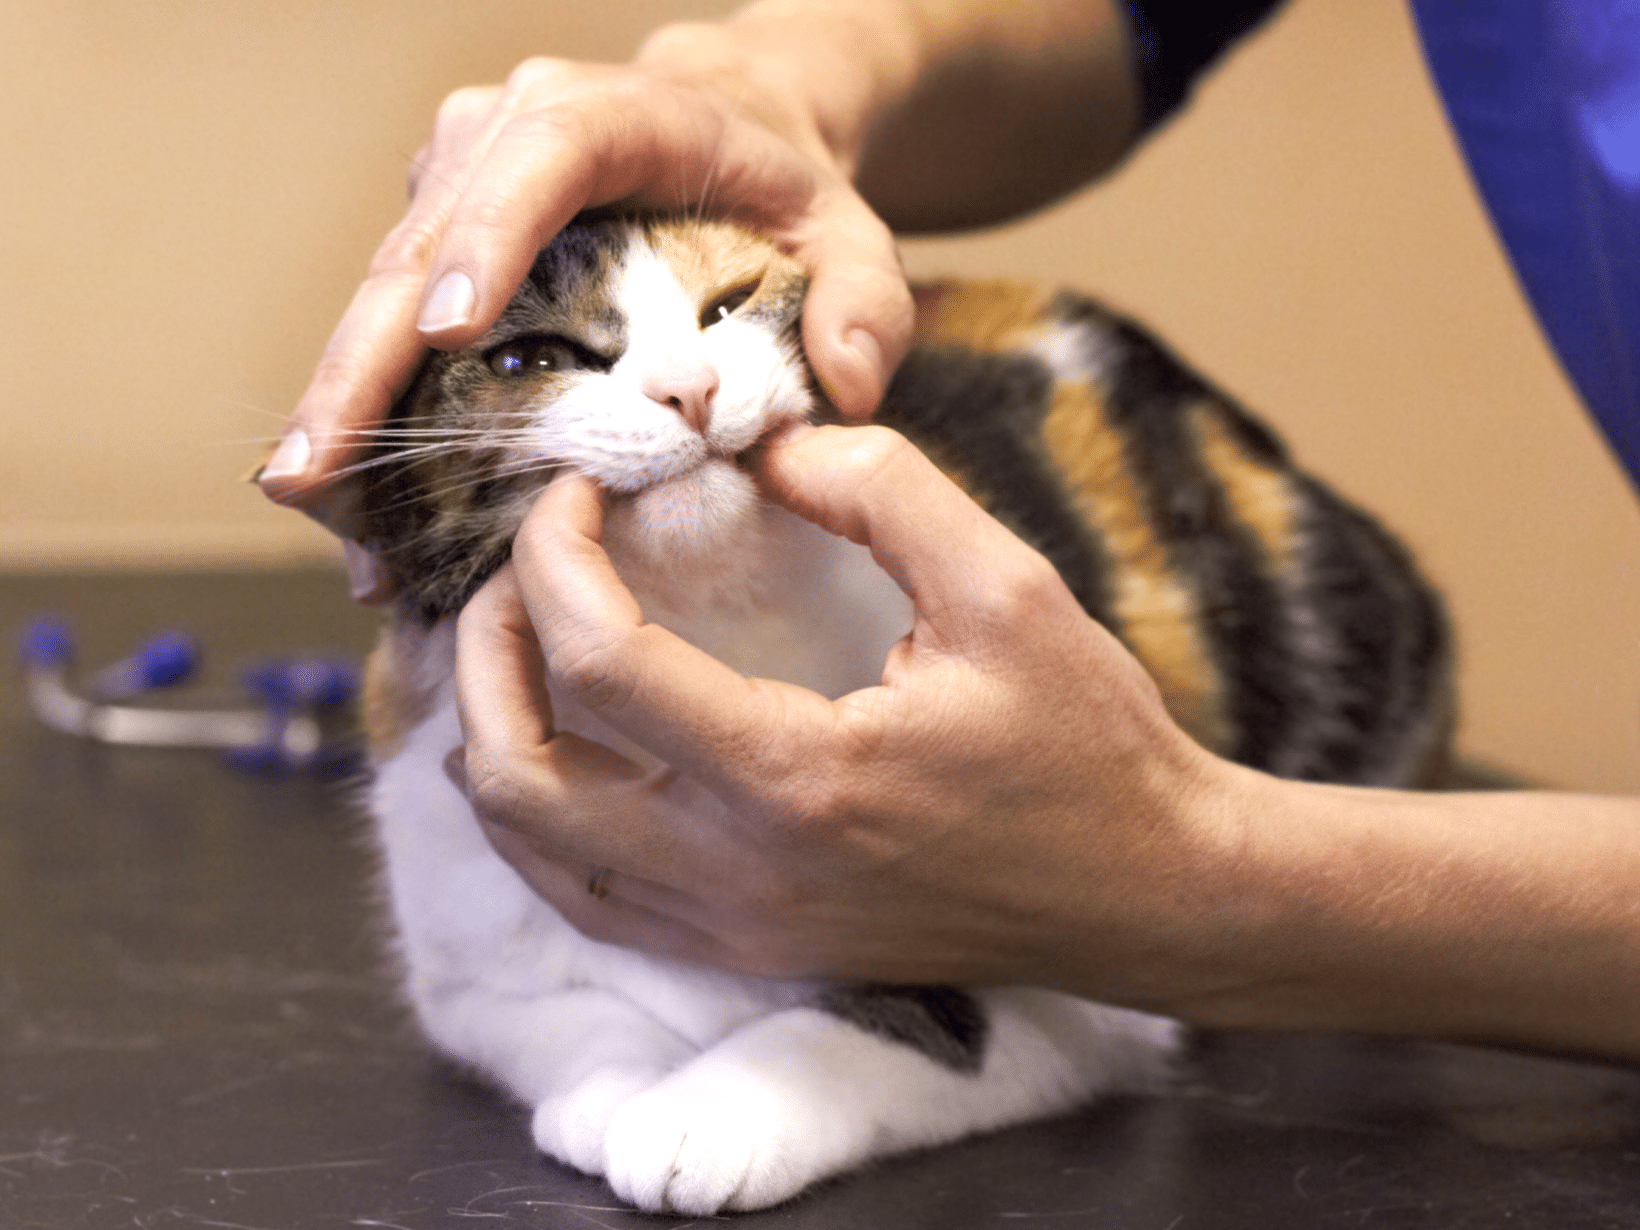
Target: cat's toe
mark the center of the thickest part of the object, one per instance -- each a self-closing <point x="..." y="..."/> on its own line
<point x="573" y="1127"/>
<point x="699" y="1156"/>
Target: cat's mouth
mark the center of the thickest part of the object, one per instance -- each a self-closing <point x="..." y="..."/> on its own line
<point x="750" y="459"/>
<point x="689" y="467"/>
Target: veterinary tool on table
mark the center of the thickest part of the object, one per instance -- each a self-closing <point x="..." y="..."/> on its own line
<point x="303" y="719"/>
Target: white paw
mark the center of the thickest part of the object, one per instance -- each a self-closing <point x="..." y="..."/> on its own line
<point x="572" y="1126"/>
<point x="683" y="1148"/>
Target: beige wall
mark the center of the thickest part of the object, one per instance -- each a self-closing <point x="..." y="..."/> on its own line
<point x="191" y="189"/>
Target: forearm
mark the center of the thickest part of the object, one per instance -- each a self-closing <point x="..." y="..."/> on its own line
<point x="1498" y="918"/>
<point x="950" y="113"/>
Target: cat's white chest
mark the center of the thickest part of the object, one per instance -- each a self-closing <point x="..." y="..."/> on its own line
<point x="777" y="598"/>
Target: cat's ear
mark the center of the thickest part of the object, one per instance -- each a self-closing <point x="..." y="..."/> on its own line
<point x="368" y="578"/>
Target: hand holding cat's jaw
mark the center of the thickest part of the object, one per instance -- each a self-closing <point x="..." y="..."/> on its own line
<point x="807" y="829"/>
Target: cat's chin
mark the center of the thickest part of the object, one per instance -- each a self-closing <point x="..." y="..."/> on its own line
<point x="687" y="533"/>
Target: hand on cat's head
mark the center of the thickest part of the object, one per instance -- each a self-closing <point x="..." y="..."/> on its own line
<point x="688" y="125"/>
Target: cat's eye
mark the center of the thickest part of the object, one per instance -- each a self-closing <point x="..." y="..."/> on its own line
<point x="725" y="304"/>
<point x="534" y="356"/>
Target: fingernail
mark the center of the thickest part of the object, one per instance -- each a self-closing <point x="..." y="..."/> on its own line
<point x="449" y="305"/>
<point x="291" y="458"/>
<point x="367" y="580"/>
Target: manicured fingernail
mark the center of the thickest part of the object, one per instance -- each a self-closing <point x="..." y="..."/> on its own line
<point x="291" y="458"/>
<point x="449" y="305"/>
<point x="367" y="580"/>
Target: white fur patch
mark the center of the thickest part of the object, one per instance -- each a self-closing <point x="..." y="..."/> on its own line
<point x="607" y="426"/>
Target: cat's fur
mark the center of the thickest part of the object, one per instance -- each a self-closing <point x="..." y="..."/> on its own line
<point x="1285" y="629"/>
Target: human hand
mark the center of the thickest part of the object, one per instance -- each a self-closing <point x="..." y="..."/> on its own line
<point x="707" y="118"/>
<point x="1012" y="804"/>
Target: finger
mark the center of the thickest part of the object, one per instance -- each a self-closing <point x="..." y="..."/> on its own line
<point x="857" y="317"/>
<point x="572" y="798"/>
<point x="374" y="351"/>
<point x="462" y="118"/>
<point x="679" y="703"/>
<point x="501" y="690"/>
<point x="609" y="135"/>
<point x="964" y="572"/>
<point x="558" y="790"/>
<point x="621" y="915"/>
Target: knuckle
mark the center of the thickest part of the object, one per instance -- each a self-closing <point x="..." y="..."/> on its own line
<point x="496" y="214"/>
<point x="1019" y="589"/>
<point x="686" y="42"/>
<point x="588" y="669"/>
<point x="463" y="104"/>
<point x="492" y="787"/>
<point x="345" y="376"/>
<point x="563" y="123"/>
<point x="536" y="73"/>
<point x="409" y="247"/>
<point x="813" y="803"/>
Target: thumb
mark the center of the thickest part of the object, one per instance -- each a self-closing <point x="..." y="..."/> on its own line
<point x="970" y="579"/>
<point x="857" y="315"/>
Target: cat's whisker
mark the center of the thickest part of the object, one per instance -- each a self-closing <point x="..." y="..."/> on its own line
<point x="502" y="469"/>
<point x="703" y="205"/>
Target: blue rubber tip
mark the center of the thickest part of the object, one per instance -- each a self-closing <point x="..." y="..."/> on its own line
<point x="303" y="681"/>
<point x="165" y="660"/>
<point x="326" y="681"/>
<point x="46" y="643"/>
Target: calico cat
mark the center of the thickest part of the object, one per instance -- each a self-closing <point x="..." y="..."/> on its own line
<point x="1286" y="630"/>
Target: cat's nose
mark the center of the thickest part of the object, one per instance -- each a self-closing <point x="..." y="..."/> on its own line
<point x="688" y="386"/>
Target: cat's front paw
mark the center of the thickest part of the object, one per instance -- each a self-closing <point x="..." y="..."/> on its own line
<point x="679" y="1150"/>
<point x="574" y="1126"/>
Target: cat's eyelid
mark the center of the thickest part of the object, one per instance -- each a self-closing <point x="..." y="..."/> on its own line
<point x="580" y="356"/>
<point x="724" y="305"/>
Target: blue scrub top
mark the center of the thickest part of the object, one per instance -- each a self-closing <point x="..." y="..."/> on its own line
<point x="1545" y="98"/>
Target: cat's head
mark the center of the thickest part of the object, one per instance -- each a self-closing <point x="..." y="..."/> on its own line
<point x="650" y="356"/>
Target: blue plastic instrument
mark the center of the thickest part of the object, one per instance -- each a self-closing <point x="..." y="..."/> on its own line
<point x="304" y="718"/>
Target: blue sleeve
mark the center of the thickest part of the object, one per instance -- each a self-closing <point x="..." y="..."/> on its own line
<point x="1544" y="96"/>
<point x="1175" y="41"/>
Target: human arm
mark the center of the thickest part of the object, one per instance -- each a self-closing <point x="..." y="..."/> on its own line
<point x="1012" y="805"/>
<point x="764" y="118"/>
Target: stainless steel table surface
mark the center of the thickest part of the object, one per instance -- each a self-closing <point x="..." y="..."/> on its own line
<point x="198" y="1028"/>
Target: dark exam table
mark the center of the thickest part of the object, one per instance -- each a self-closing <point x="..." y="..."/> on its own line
<point x="197" y="1030"/>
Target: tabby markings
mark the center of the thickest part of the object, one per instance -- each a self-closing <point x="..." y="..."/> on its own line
<point x="1260" y="496"/>
<point x="987" y="316"/>
<point x="1156" y="613"/>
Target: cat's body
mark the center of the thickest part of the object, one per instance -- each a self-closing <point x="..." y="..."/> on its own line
<point x="1284" y="629"/>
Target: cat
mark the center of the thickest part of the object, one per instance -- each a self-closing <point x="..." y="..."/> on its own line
<point x="1285" y="629"/>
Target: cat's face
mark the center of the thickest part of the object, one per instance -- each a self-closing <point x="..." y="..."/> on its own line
<point x="650" y="357"/>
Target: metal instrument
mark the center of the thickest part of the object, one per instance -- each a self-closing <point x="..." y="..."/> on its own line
<point x="303" y="717"/>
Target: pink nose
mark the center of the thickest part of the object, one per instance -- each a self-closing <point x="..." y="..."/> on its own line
<point x="687" y="385"/>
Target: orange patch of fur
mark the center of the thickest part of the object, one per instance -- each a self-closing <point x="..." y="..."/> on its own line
<point x="988" y="316"/>
<point x="712" y="258"/>
<point x="1260" y="497"/>
<point x="1158" y="614"/>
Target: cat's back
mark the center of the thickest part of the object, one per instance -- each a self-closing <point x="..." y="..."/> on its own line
<point x="1286" y="628"/>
